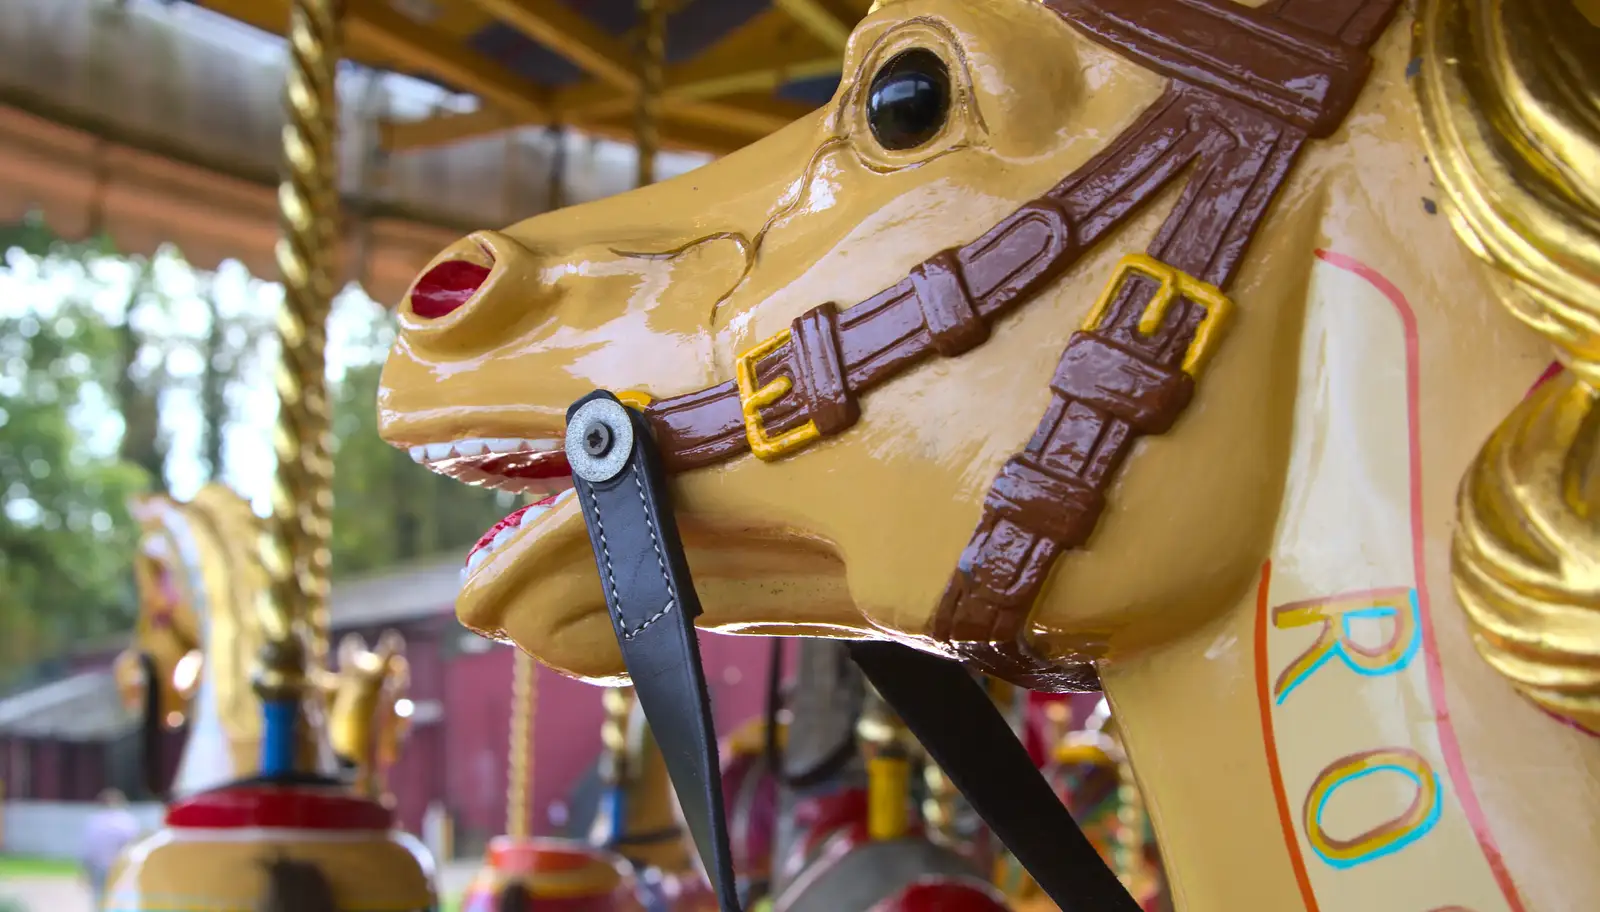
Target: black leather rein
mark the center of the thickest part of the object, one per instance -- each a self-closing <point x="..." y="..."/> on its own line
<point x="620" y="483"/>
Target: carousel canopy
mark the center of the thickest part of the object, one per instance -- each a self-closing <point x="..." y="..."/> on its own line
<point x="735" y="69"/>
<point x="157" y="121"/>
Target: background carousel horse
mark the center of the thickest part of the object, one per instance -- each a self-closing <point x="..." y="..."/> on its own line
<point x="198" y="576"/>
<point x="638" y="816"/>
<point x="1091" y="771"/>
<point x="1271" y="570"/>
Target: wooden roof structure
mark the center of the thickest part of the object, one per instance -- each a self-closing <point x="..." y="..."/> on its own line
<point x="157" y="121"/>
<point x="736" y="70"/>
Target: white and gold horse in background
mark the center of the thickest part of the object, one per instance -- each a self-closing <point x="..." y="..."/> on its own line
<point x="199" y="578"/>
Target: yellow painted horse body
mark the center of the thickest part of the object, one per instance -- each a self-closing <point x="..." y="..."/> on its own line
<point x="1269" y="598"/>
<point x="196" y="640"/>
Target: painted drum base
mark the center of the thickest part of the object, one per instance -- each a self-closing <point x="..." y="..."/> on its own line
<point x="559" y="875"/>
<point x="214" y="853"/>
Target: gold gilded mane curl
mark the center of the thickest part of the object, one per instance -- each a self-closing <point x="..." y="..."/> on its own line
<point x="1509" y="92"/>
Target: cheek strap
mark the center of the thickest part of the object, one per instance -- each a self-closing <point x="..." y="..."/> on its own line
<point x="621" y="486"/>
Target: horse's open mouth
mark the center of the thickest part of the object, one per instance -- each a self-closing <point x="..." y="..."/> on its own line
<point x="517" y="465"/>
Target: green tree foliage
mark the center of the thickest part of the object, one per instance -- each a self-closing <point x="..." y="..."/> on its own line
<point x="387" y="509"/>
<point x="65" y="538"/>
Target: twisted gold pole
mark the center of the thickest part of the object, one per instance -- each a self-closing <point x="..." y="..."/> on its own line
<point x="652" y="61"/>
<point x="939" y="807"/>
<point x="519" y="769"/>
<point x="295" y="551"/>
<point x="617" y="702"/>
<point x="647" y="118"/>
<point x="1127" y="848"/>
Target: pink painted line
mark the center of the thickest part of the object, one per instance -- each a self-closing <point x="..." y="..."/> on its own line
<point x="1447" y="736"/>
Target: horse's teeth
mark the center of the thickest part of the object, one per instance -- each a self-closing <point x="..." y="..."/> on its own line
<point x="545" y="446"/>
<point x="470" y="447"/>
<point x="419" y="453"/>
<point x="503" y="536"/>
<point x="438" y="450"/>
<point x="478" y="557"/>
<point x="528" y="517"/>
<point x="503" y="444"/>
<point x="565" y="496"/>
<point x="465" y="572"/>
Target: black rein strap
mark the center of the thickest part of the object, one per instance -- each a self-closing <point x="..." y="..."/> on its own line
<point x="617" y="472"/>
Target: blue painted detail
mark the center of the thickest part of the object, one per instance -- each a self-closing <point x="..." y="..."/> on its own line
<point x="1377" y="611"/>
<point x="277" y="737"/>
<point x="1416" y="833"/>
<point x="613" y="809"/>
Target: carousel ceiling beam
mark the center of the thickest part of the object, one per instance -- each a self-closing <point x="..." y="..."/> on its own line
<point x="826" y="25"/>
<point x="730" y="126"/>
<point x="570" y="34"/>
<point x="758" y="57"/>
<point x="376" y="25"/>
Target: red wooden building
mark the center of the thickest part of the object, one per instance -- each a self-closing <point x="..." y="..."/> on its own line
<point x="66" y="740"/>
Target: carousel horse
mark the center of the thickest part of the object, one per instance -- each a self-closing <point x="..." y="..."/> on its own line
<point x="198" y="576"/>
<point x="368" y="715"/>
<point x="233" y="840"/>
<point x="641" y="822"/>
<point x="1092" y="773"/>
<point x="1236" y="514"/>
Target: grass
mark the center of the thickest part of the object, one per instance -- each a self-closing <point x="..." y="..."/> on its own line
<point x="12" y="866"/>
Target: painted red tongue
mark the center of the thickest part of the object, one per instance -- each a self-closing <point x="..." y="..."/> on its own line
<point x="508" y="522"/>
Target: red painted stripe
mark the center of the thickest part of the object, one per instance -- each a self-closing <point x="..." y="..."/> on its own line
<point x="278" y="807"/>
<point x="1264" y="697"/>
<point x="1447" y="736"/>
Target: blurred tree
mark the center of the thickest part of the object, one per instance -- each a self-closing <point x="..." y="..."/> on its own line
<point x="386" y="508"/>
<point x="65" y="538"/>
<point x="139" y="392"/>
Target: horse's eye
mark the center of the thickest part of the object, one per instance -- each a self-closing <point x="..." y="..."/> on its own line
<point x="909" y="100"/>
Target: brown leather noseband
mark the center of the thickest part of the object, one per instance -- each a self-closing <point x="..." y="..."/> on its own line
<point x="1247" y="89"/>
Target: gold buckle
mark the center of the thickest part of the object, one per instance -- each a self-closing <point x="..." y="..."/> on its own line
<point x="751" y="401"/>
<point x="1173" y="283"/>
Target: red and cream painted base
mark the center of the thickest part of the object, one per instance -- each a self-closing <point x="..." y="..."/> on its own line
<point x="213" y="853"/>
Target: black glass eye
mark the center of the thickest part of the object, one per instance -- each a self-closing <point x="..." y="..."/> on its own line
<point x="909" y="100"/>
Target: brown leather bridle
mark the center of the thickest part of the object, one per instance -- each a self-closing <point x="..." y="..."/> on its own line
<point x="1248" y="88"/>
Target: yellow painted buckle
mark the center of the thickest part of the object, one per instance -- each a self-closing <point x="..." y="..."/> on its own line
<point x="751" y="401"/>
<point x="1173" y="283"/>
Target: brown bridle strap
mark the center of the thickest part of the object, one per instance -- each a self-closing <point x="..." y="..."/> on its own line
<point x="1248" y="87"/>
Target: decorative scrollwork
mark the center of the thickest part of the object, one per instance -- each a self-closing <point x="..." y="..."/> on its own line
<point x="1509" y="93"/>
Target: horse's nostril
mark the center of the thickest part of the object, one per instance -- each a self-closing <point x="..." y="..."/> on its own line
<point x="445" y="287"/>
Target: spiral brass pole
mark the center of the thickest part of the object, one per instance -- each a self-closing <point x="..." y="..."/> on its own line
<point x="519" y="768"/>
<point x="1127" y="849"/>
<point x="295" y="550"/>
<point x="647" y="111"/>
<point x="618" y="701"/>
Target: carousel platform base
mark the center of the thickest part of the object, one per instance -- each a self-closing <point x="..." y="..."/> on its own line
<point x="288" y="845"/>
<point x="552" y="875"/>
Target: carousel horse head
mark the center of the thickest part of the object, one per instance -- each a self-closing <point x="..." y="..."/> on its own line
<point x="950" y="117"/>
<point x="367" y="716"/>
<point x="1139" y="332"/>
<point x="198" y="574"/>
<point x="161" y="668"/>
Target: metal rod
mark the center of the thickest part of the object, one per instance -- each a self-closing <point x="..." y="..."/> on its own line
<point x="519" y="776"/>
<point x="652" y="60"/>
<point x="295" y="549"/>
